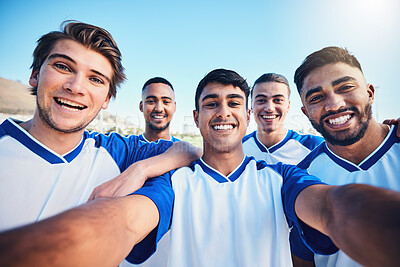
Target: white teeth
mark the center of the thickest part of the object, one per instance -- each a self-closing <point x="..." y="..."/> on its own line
<point x="69" y="103"/>
<point x="158" y="117"/>
<point x="223" y="127"/>
<point x="66" y="107"/>
<point x="268" y="117"/>
<point x="339" y="120"/>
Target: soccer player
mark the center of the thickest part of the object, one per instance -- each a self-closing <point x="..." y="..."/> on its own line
<point x="49" y="163"/>
<point x="337" y="100"/>
<point x="272" y="142"/>
<point x="226" y="208"/>
<point x="158" y="106"/>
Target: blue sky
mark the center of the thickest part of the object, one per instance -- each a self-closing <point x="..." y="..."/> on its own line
<point x="184" y="40"/>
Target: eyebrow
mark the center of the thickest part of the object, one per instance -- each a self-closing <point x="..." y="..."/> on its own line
<point x="216" y="96"/>
<point x="343" y="79"/>
<point x="313" y="90"/>
<point x="163" y="97"/>
<point x="262" y="95"/>
<point x="57" y="55"/>
<point x="62" y="56"/>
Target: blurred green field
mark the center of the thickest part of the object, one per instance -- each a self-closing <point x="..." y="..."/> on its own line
<point x="195" y="140"/>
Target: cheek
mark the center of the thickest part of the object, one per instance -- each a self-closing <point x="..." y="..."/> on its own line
<point x="257" y="109"/>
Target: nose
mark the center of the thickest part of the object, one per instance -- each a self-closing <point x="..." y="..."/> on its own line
<point x="334" y="102"/>
<point x="223" y="111"/>
<point x="158" y="106"/>
<point x="268" y="106"/>
<point x="75" y="84"/>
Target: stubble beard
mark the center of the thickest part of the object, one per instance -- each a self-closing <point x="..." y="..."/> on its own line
<point x="156" y="128"/>
<point x="344" y="138"/>
<point x="45" y="116"/>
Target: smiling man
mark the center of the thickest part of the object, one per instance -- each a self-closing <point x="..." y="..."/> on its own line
<point x="272" y="142"/>
<point x="225" y="209"/>
<point x="158" y="106"/>
<point x="49" y="163"/>
<point x="337" y="99"/>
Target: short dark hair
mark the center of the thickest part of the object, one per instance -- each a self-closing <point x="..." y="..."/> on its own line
<point x="325" y="56"/>
<point x="157" y="80"/>
<point x="225" y="77"/>
<point x="271" y="77"/>
<point x="90" y="36"/>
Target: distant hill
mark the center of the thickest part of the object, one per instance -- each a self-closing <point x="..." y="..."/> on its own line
<point x="15" y="98"/>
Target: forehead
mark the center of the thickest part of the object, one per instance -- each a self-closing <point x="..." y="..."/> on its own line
<point x="325" y="75"/>
<point x="84" y="58"/>
<point x="158" y="90"/>
<point x="270" y="89"/>
<point x="221" y="90"/>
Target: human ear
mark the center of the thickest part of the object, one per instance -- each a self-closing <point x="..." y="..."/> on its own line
<point x="303" y="109"/>
<point x="105" y="104"/>
<point x="34" y="79"/>
<point x="196" y="117"/>
<point x="371" y="92"/>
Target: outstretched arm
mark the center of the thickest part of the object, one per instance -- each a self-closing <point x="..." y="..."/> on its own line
<point x="362" y="220"/>
<point x="180" y="154"/>
<point x="99" y="233"/>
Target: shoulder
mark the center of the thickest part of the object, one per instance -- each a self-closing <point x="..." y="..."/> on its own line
<point x="393" y="135"/>
<point x="126" y="150"/>
<point x="305" y="163"/>
<point x="249" y="136"/>
<point x="3" y="131"/>
<point x="308" y="140"/>
<point x="111" y="139"/>
<point x="174" y="139"/>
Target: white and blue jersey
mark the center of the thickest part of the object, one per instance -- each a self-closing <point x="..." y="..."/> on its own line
<point x="160" y="257"/>
<point x="36" y="182"/>
<point x="291" y="150"/>
<point x="143" y="138"/>
<point x="217" y="220"/>
<point x="381" y="168"/>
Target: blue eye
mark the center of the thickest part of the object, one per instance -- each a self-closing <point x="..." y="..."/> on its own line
<point x="96" y="80"/>
<point x="61" y="67"/>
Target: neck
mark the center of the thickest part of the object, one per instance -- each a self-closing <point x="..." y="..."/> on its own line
<point x="152" y="135"/>
<point x="224" y="162"/>
<point x="357" y="152"/>
<point x="271" y="138"/>
<point x="59" y="142"/>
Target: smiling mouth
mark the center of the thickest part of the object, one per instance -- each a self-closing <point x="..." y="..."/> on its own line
<point x="223" y="127"/>
<point x="340" y="120"/>
<point x="69" y="104"/>
<point x="269" y="117"/>
<point x="158" y="116"/>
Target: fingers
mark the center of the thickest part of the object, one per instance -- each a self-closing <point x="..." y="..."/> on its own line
<point x="93" y="195"/>
<point x="394" y="122"/>
<point x="103" y="190"/>
<point x="390" y="121"/>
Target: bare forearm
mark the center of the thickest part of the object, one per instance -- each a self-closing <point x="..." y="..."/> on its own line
<point x="180" y="154"/>
<point x="95" y="234"/>
<point x="365" y="223"/>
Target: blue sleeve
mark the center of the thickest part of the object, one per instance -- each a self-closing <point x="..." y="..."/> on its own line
<point x="294" y="181"/>
<point x="126" y="150"/>
<point x="159" y="190"/>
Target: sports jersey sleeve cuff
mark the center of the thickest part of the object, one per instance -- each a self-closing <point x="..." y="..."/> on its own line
<point x="313" y="239"/>
<point x="163" y="198"/>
